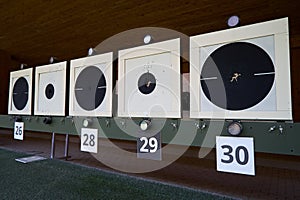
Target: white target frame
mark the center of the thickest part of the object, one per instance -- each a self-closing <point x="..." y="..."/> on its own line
<point x="14" y="76"/>
<point x="104" y="62"/>
<point x="278" y="29"/>
<point x="56" y="75"/>
<point x="165" y="64"/>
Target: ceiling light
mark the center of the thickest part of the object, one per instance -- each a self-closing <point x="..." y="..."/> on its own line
<point x="147" y="39"/>
<point x="90" y="51"/>
<point x="233" y="21"/>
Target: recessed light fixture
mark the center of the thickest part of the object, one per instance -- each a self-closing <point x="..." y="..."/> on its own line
<point x="233" y="21"/>
<point x="144" y="125"/>
<point x="86" y="122"/>
<point x="47" y="120"/>
<point x="235" y="128"/>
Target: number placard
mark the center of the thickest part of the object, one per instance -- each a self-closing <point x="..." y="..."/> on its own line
<point x="89" y="140"/>
<point x="19" y="130"/>
<point x="235" y="155"/>
<point x="149" y="147"/>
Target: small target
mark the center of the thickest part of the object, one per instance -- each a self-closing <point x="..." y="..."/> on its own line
<point x="146" y="83"/>
<point x="20" y="93"/>
<point x="49" y="91"/>
<point x="90" y="88"/>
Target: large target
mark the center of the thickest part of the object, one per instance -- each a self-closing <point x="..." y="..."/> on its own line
<point x="242" y="73"/>
<point x="149" y="81"/>
<point x="20" y="92"/>
<point x="91" y="86"/>
<point x="50" y="89"/>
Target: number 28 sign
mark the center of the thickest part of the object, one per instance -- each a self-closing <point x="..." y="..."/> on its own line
<point x="235" y="154"/>
<point x="89" y="140"/>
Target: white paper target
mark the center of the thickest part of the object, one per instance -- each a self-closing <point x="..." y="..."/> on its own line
<point x="149" y="81"/>
<point x="241" y="73"/>
<point x="50" y="89"/>
<point x="20" y="92"/>
<point x="91" y="86"/>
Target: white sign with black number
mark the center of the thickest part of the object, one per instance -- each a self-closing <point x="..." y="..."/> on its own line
<point x="235" y="154"/>
<point x="19" y="130"/>
<point x="149" y="147"/>
<point x="89" y="140"/>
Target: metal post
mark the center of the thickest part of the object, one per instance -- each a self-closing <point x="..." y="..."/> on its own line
<point x="52" y="153"/>
<point x="67" y="147"/>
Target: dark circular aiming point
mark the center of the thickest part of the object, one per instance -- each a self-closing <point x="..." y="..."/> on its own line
<point x="49" y="91"/>
<point x="90" y="88"/>
<point x="243" y="70"/>
<point x="20" y="93"/>
<point x="146" y="83"/>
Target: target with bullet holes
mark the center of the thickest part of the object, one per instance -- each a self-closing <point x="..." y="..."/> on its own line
<point x="91" y="86"/>
<point x="149" y="81"/>
<point x="50" y="89"/>
<point x="20" y="92"/>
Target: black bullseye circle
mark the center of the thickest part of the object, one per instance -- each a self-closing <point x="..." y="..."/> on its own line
<point x="244" y="70"/>
<point x="90" y="88"/>
<point x="49" y="91"/>
<point x="146" y="83"/>
<point x="20" y="93"/>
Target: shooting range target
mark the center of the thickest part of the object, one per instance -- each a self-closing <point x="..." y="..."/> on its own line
<point x="241" y="73"/>
<point x="149" y="81"/>
<point x="50" y="89"/>
<point x="20" y="94"/>
<point x="91" y="86"/>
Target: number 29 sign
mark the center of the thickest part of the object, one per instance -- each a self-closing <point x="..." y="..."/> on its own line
<point x="149" y="147"/>
<point x="235" y="154"/>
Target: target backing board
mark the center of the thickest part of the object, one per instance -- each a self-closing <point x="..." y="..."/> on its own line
<point x="20" y="92"/>
<point x="149" y="81"/>
<point x="242" y="73"/>
<point x="50" y="89"/>
<point x="91" y="86"/>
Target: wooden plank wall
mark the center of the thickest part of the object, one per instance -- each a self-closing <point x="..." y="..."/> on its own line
<point x="6" y="65"/>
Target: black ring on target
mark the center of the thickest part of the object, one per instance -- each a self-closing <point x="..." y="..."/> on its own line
<point x="243" y="69"/>
<point x="20" y="93"/>
<point x="146" y="83"/>
<point x="49" y="91"/>
<point x="90" y="88"/>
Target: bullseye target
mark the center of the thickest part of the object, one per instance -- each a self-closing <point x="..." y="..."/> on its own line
<point x="149" y="81"/>
<point x="241" y="73"/>
<point x="20" y="92"/>
<point x="50" y="89"/>
<point x="91" y="86"/>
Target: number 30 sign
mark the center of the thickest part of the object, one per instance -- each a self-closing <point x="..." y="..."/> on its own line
<point x="235" y="154"/>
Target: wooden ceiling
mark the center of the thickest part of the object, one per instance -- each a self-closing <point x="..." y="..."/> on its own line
<point x="34" y="30"/>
